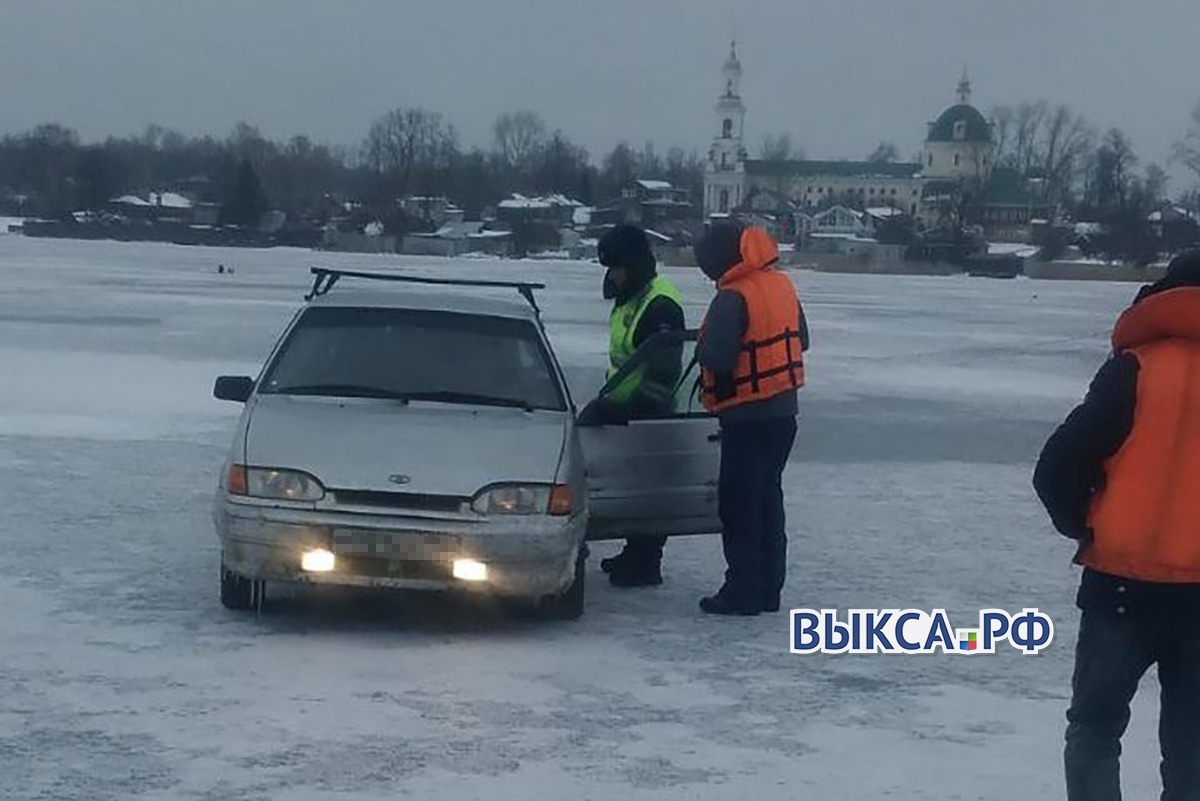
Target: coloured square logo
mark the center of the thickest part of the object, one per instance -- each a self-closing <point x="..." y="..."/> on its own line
<point x="971" y="643"/>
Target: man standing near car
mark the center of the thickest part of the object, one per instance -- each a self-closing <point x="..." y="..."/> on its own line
<point x="1122" y="476"/>
<point x="751" y="353"/>
<point x="644" y="304"/>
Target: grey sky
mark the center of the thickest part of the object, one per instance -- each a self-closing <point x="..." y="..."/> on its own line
<point x="839" y="75"/>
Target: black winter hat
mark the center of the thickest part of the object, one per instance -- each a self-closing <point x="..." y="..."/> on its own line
<point x="1183" y="271"/>
<point x="627" y="246"/>
<point x="719" y="249"/>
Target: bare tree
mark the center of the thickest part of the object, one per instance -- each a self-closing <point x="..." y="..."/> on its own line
<point x="618" y="169"/>
<point x="885" y="153"/>
<point x="1027" y="131"/>
<point x="1002" y="117"/>
<point x="1067" y="141"/>
<point x="407" y="146"/>
<point x="1154" y="184"/>
<point x="561" y="166"/>
<point x="649" y="163"/>
<point x="519" y="136"/>
<point x="1187" y="150"/>
<point x="777" y="147"/>
<point x="1049" y="143"/>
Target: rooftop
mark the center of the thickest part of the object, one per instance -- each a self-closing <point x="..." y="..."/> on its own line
<point x="167" y="200"/>
<point x="832" y="169"/>
<point x="548" y="202"/>
<point x="655" y="186"/>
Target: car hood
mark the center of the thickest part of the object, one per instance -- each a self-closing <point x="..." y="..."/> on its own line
<point x="384" y="446"/>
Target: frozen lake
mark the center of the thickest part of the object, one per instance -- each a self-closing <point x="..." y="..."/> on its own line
<point x="122" y="676"/>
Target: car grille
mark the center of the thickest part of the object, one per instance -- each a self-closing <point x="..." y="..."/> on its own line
<point x="403" y="501"/>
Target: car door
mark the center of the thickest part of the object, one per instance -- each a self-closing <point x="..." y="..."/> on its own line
<point x="655" y="476"/>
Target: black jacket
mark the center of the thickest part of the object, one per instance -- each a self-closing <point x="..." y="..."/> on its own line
<point x="1071" y="469"/>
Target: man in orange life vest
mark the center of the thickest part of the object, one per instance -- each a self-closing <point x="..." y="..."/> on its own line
<point x="750" y="353"/>
<point x="1122" y="476"/>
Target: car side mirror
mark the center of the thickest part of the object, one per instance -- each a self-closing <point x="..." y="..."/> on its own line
<point x="233" y="388"/>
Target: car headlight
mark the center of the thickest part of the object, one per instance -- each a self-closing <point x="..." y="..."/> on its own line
<point x="273" y="484"/>
<point x="525" y="499"/>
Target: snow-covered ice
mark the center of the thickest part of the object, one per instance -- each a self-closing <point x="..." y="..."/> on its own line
<point x="122" y="676"/>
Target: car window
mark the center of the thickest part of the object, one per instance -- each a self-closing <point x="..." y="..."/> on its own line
<point x="415" y="355"/>
<point x="671" y="356"/>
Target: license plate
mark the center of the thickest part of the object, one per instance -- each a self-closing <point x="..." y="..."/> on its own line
<point x="393" y="545"/>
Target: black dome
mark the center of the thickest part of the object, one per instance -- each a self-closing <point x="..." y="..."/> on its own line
<point x="975" y="128"/>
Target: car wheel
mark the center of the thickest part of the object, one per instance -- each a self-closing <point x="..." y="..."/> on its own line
<point x="238" y="592"/>
<point x="569" y="605"/>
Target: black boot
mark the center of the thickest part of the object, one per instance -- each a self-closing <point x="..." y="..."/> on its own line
<point x="610" y="563"/>
<point x="629" y="572"/>
<point x="720" y="604"/>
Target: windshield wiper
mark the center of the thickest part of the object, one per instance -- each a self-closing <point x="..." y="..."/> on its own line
<point x="340" y="391"/>
<point x="469" y="398"/>
<point x="357" y="391"/>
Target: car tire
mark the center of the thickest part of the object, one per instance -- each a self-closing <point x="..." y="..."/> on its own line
<point x="238" y="592"/>
<point x="569" y="605"/>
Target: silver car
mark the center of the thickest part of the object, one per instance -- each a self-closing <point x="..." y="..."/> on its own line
<point x="424" y="438"/>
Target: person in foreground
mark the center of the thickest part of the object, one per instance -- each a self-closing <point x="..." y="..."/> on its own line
<point x="751" y="357"/>
<point x="1122" y="477"/>
<point x="644" y="304"/>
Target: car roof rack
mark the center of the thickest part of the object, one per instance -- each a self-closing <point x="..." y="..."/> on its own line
<point x="325" y="277"/>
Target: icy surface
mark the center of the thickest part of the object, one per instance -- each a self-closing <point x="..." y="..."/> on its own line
<point x="122" y="676"/>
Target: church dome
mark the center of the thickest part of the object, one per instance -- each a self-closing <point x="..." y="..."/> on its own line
<point x="961" y="123"/>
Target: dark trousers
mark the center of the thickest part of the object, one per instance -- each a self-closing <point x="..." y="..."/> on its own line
<point x="753" y="457"/>
<point x="1113" y="654"/>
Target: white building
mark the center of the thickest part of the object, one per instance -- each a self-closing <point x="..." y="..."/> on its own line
<point x="957" y="158"/>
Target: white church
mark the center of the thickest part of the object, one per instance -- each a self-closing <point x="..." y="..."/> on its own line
<point x="957" y="158"/>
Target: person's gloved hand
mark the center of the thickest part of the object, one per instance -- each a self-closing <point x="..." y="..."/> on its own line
<point x="603" y="412"/>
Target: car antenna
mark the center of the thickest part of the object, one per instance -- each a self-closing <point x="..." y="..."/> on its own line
<point x="324" y="279"/>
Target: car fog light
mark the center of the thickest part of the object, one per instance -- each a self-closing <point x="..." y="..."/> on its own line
<point x="318" y="561"/>
<point x="470" y="570"/>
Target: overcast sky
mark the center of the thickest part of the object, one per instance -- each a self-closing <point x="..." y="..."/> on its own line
<point x="840" y="75"/>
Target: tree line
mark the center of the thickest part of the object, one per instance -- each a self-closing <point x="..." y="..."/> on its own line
<point x="50" y="172"/>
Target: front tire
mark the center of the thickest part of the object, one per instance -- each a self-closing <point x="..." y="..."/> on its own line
<point x="239" y="593"/>
<point x="570" y="604"/>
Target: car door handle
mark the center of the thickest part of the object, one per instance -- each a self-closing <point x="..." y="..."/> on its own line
<point x="714" y="437"/>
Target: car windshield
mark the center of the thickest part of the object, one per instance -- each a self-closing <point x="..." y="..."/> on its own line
<point x="416" y="356"/>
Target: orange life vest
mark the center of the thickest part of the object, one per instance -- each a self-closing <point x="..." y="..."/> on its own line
<point x="1146" y="517"/>
<point x="771" y="361"/>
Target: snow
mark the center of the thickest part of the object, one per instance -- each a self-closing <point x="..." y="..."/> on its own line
<point x="1025" y="251"/>
<point x="171" y="200"/>
<point x="884" y="212"/>
<point x="131" y="200"/>
<point x="540" y="203"/>
<point x="655" y="186"/>
<point x="168" y="200"/>
<point x="122" y="676"/>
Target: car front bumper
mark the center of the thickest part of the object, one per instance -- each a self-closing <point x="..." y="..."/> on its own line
<point x="526" y="556"/>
